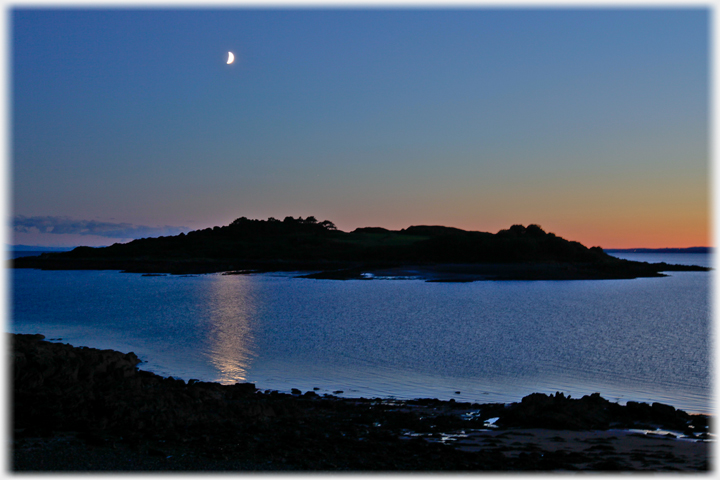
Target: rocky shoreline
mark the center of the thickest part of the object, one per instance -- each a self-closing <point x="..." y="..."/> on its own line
<point x="83" y="409"/>
<point x="323" y="270"/>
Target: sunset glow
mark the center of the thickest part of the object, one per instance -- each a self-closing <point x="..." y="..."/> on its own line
<point x="592" y="123"/>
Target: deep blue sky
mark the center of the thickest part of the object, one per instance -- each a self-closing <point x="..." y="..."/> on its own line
<point x="590" y="122"/>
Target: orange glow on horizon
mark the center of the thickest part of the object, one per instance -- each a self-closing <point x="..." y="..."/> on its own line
<point x="624" y="233"/>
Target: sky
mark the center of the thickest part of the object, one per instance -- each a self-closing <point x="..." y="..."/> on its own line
<point x="592" y="123"/>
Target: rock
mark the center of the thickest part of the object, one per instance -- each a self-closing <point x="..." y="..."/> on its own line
<point x="61" y="386"/>
<point x="243" y="389"/>
<point x="662" y="410"/>
<point x="700" y="422"/>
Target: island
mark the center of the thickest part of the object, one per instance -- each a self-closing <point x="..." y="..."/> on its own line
<point x="319" y="250"/>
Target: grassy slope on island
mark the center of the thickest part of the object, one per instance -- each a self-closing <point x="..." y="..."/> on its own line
<point x="306" y="244"/>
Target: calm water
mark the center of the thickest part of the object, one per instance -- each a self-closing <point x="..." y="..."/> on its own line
<point x="644" y="339"/>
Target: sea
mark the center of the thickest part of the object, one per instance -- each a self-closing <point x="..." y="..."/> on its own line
<point x="646" y="339"/>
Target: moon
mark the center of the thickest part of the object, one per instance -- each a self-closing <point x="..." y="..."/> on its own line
<point x="231" y="58"/>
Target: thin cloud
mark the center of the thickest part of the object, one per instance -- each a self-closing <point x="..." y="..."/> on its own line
<point x="65" y="225"/>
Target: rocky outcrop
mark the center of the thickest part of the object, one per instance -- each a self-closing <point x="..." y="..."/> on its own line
<point x="592" y="412"/>
<point x="61" y="387"/>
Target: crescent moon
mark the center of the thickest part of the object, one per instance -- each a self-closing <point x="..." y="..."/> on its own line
<point x="231" y="58"/>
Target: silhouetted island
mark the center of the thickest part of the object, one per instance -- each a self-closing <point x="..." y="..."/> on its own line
<point x="433" y="253"/>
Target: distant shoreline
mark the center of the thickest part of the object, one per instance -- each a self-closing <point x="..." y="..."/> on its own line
<point x="660" y="250"/>
<point x="40" y="249"/>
